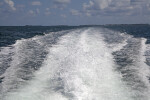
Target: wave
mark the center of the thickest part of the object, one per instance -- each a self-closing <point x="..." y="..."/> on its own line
<point x="81" y="64"/>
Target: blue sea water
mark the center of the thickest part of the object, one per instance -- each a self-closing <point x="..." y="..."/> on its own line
<point x="107" y="62"/>
<point x="9" y="34"/>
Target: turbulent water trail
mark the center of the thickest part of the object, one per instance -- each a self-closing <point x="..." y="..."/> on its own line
<point x="81" y="64"/>
<point x="79" y="67"/>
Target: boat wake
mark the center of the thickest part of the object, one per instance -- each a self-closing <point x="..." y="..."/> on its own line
<point x="82" y="64"/>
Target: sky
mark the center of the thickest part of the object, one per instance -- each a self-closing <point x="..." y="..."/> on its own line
<point x="74" y="12"/>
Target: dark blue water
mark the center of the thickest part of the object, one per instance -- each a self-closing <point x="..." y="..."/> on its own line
<point x="9" y="34"/>
<point x="137" y="30"/>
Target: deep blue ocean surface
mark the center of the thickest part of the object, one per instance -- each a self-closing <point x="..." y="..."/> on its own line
<point x="137" y="30"/>
<point x="106" y="62"/>
<point x="9" y="34"/>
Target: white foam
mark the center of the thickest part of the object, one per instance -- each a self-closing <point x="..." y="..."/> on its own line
<point x="144" y="69"/>
<point x="79" y="67"/>
<point x="115" y="40"/>
<point x="21" y="54"/>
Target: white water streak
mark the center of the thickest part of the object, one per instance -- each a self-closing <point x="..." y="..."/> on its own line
<point x="78" y="67"/>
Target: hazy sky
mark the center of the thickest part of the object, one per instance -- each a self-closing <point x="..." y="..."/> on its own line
<point x="73" y="12"/>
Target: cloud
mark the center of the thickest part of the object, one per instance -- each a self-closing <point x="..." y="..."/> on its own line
<point x="34" y="12"/>
<point x="47" y="12"/>
<point x="114" y="7"/>
<point x="47" y="9"/>
<point x="36" y="3"/>
<point x="10" y="4"/>
<point x="61" y="4"/>
<point x="63" y="15"/>
<point x="75" y="12"/>
<point x="97" y="4"/>
<point x="37" y="11"/>
<point x="88" y="5"/>
<point x="31" y="12"/>
<point x="62" y="1"/>
<point x="102" y="4"/>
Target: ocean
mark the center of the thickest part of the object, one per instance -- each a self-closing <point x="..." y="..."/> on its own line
<point x="105" y="62"/>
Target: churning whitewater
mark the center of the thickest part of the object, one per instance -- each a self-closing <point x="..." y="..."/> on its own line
<point x="80" y="64"/>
